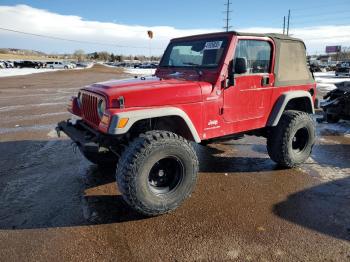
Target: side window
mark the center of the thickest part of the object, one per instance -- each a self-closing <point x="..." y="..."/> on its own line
<point x="257" y="54"/>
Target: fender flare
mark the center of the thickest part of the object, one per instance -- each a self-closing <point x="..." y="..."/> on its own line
<point x="282" y="102"/>
<point x="141" y="114"/>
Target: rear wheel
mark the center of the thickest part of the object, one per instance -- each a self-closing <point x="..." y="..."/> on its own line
<point x="157" y="172"/>
<point x="290" y="143"/>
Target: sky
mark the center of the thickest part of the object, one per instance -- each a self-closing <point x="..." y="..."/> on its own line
<point x="120" y="26"/>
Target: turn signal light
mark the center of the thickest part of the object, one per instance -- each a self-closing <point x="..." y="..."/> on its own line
<point x="122" y="122"/>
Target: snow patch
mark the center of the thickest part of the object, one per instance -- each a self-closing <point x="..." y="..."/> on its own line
<point x="327" y="173"/>
<point x="7" y="72"/>
<point x="325" y="81"/>
<point x="23" y="71"/>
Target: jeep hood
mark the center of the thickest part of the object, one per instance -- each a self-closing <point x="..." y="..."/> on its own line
<point x="150" y="91"/>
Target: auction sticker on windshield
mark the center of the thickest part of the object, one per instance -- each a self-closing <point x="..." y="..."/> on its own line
<point x="213" y="45"/>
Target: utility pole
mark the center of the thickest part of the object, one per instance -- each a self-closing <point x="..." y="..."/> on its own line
<point x="150" y="36"/>
<point x="227" y="19"/>
<point x="288" y="22"/>
<point x="284" y="24"/>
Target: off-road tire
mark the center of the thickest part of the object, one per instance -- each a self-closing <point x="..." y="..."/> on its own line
<point x="135" y="168"/>
<point x="282" y="144"/>
<point x="104" y="160"/>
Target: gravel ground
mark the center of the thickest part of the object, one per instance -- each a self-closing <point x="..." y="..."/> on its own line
<point x="55" y="205"/>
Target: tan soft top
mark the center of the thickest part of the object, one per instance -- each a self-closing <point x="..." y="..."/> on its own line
<point x="290" y="66"/>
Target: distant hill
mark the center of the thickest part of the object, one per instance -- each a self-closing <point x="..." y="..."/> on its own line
<point x="25" y="52"/>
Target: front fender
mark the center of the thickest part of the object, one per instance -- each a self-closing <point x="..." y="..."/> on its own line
<point x="137" y="115"/>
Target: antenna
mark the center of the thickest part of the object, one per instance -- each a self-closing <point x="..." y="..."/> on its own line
<point x="227" y="12"/>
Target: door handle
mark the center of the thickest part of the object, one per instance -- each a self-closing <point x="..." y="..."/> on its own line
<point x="265" y="81"/>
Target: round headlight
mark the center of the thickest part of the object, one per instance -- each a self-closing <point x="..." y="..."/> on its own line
<point x="101" y="108"/>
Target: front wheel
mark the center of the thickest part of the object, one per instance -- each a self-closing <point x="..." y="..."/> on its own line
<point x="157" y="172"/>
<point x="290" y="143"/>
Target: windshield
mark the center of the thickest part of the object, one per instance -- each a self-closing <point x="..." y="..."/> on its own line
<point x="204" y="53"/>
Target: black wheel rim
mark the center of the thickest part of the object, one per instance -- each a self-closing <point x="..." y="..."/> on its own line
<point x="300" y="140"/>
<point x="165" y="175"/>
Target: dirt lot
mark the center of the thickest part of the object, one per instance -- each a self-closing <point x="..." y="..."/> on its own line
<point x="54" y="205"/>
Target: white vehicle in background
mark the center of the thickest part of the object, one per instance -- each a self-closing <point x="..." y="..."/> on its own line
<point x="73" y="64"/>
<point x="59" y="65"/>
<point x="2" y="64"/>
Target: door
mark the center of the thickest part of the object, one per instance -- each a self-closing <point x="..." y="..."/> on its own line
<point x="247" y="101"/>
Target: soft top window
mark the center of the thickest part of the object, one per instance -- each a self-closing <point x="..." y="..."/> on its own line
<point x="257" y="53"/>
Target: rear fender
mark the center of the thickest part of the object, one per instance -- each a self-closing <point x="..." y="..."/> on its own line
<point x="282" y="102"/>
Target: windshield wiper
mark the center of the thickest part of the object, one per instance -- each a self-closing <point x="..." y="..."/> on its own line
<point x="190" y="63"/>
<point x="195" y="67"/>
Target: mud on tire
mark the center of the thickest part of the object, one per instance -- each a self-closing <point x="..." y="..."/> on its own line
<point x="290" y="143"/>
<point x="157" y="172"/>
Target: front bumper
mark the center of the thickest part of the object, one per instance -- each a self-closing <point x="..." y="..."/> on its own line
<point x="82" y="135"/>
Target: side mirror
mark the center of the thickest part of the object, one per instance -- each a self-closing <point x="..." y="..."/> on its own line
<point x="230" y="80"/>
<point x="241" y="65"/>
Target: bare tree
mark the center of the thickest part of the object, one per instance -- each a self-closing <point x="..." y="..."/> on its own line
<point x="80" y="55"/>
<point x="103" y="56"/>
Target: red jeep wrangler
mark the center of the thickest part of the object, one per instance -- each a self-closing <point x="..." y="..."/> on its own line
<point x="207" y="87"/>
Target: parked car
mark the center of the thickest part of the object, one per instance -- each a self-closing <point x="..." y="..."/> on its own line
<point x="59" y="65"/>
<point x="83" y="65"/>
<point x="9" y="64"/>
<point x="342" y="71"/>
<point x="73" y="64"/>
<point x="28" y="64"/>
<point x="148" y="66"/>
<point x="2" y="64"/>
